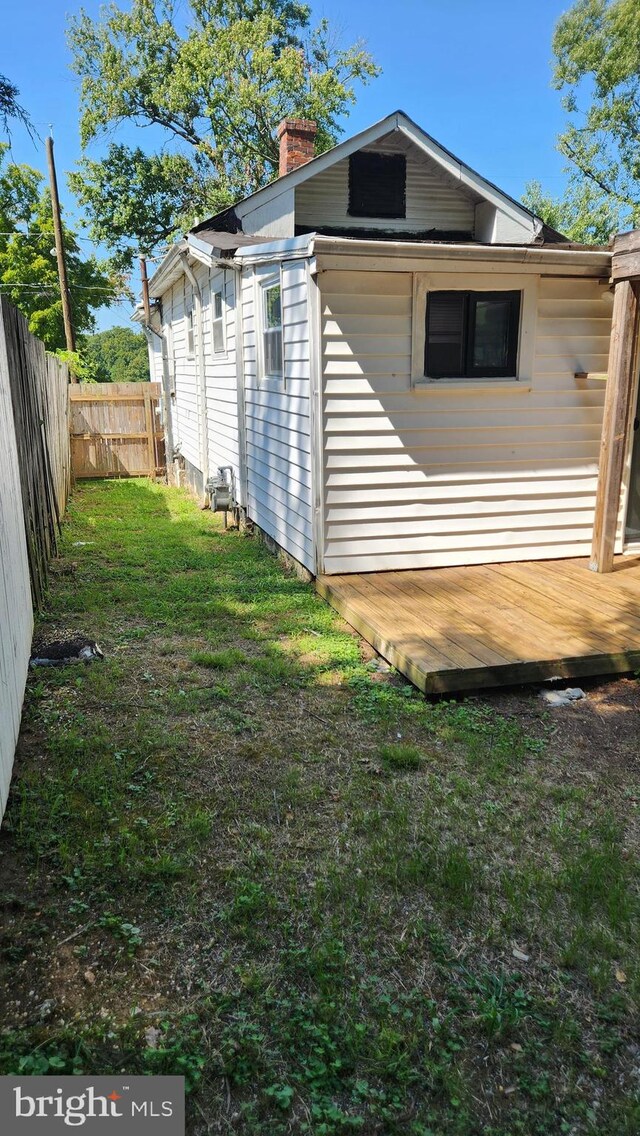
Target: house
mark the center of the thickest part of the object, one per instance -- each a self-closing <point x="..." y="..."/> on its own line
<point x="394" y="364"/>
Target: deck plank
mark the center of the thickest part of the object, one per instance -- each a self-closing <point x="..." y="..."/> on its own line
<point x="480" y="626"/>
<point x="434" y="618"/>
<point x="560" y="591"/>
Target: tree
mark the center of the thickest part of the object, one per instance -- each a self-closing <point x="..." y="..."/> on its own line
<point x="213" y="81"/>
<point x="118" y="355"/>
<point x="28" y="271"/>
<point x="583" y="214"/>
<point x="596" y="46"/>
<point x="11" y="108"/>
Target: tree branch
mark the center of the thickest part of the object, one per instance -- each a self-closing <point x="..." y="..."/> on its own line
<point x="597" y="179"/>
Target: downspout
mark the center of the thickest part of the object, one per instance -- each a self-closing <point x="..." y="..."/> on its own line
<point x="200" y="378"/>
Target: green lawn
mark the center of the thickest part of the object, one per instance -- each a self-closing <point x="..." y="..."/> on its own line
<point x="235" y="850"/>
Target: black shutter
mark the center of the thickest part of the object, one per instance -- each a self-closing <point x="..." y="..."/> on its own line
<point x="445" y="338"/>
<point x="377" y="185"/>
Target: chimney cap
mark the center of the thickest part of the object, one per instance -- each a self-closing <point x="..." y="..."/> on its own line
<point x="297" y="126"/>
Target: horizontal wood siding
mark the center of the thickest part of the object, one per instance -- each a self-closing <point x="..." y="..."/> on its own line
<point x="277" y="419"/>
<point x="446" y="476"/>
<point x="434" y="199"/>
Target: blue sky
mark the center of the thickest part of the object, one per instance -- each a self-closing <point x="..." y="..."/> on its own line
<point x="475" y="75"/>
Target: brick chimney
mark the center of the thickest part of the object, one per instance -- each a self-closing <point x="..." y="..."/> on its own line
<point x="297" y="137"/>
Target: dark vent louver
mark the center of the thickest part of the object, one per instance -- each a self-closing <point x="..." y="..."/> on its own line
<point x="377" y="185"/>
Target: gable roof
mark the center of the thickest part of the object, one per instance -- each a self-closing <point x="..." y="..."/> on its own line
<point x="468" y="178"/>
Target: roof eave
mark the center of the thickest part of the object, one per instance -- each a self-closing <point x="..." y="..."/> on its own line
<point x="596" y="255"/>
<point x="168" y="270"/>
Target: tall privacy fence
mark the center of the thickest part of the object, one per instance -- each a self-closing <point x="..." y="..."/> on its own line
<point x="34" y="486"/>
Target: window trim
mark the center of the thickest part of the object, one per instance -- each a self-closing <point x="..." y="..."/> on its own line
<point x="221" y="319"/>
<point x="263" y="286"/>
<point x="468" y="281"/>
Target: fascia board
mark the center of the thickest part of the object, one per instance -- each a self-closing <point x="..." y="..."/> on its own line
<point x="288" y="248"/>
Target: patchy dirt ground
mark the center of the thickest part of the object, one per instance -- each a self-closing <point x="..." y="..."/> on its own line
<point x="239" y="851"/>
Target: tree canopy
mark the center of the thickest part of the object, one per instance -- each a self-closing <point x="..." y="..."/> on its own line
<point x="583" y="214"/>
<point x="212" y="78"/>
<point x="596" y="47"/>
<point x="28" y="270"/>
<point x="117" y="355"/>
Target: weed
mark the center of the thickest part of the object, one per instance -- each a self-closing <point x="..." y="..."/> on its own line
<point x="400" y="756"/>
<point x="127" y="933"/>
<point x="226" y="659"/>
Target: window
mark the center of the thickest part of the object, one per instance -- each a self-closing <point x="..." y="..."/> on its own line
<point x="189" y="321"/>
<point x="377" y="185"/>
<point x="272" y="330"/>
<point x="472" y="334"/>
<point x="217" y="323"/>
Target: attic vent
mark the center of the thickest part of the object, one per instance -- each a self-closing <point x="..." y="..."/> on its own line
<point x="377" y="185"/>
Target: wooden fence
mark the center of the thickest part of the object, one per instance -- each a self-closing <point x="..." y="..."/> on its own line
<point x="116" y="431"/>
<point x="34" y="485"/>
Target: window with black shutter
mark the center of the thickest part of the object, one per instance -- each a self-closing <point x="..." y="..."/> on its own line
<point x="377" y="185"/>
<point x="472" y="334"/>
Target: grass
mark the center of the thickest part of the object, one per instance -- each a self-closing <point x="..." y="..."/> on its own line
<point x="234" y="852"/>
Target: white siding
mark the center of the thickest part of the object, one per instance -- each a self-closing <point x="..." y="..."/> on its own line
<point x="277" y="418"/>
<point x="434" y="199"/>
<point x="446" y="476"/>
<point x="220" y="374"/>
<point x="499" y="228"/>
<point x="275" y="219"/>
<point x="183" y="369"/>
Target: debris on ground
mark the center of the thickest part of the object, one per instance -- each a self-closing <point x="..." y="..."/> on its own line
<point x="61" y="652"/>
<point x="563" y="697"/>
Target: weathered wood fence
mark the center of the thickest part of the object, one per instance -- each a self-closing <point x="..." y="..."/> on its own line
<point x="116" y="430"/>
<point x="34" y="485"/>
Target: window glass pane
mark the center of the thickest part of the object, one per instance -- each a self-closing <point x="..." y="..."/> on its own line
<point x="218" y="336"/>
<point x="445" y="334"/>
<point x="273" y="352"/>
<point x="272" y="308"/>
<point x="490" y="347"/>
<point x="217" y="305"/>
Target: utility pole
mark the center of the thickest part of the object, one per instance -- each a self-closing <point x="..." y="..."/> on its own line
<point x="145" y="289"/>
<point x="62" y="264"/>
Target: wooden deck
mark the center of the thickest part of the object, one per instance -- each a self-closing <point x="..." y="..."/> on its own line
<point x="493" y="625"/>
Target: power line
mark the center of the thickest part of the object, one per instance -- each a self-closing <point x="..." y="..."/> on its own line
<point x="55" y="286"/>
<point x="33" y="234"/>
